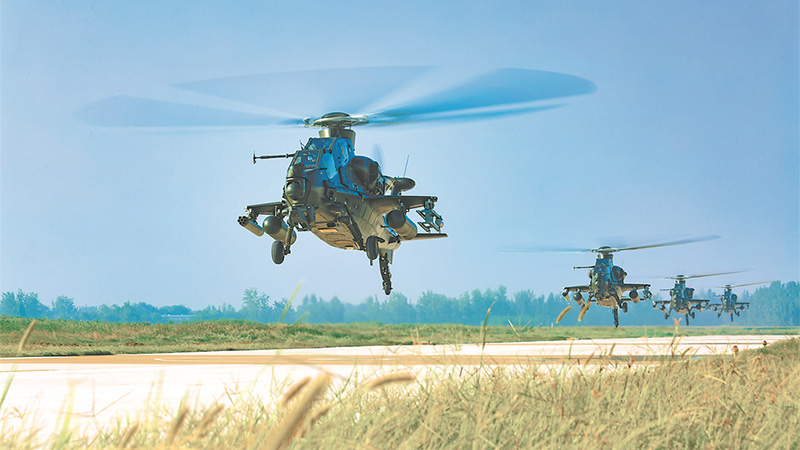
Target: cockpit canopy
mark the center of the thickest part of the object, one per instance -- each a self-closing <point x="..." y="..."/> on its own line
<point x="308" y="158"/>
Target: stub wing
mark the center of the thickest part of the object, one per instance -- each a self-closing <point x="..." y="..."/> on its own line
<point x="387" y="203"/>
<point x="424" y="236"/>
<point x="576" y="289"/>
<point x="634" y="286"/>
<point x="264" y="209"/>
<point x="662" y="302"/>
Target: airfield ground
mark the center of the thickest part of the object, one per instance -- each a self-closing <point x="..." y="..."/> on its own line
<point x="620" y="392"/>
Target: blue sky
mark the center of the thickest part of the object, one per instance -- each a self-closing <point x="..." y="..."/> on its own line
<point x="693" y="130"/>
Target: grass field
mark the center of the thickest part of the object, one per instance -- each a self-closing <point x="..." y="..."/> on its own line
<point x="63" y="337"/>
<point x="746" y="400"/>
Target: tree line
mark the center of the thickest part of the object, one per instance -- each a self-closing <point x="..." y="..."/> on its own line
<point x="775" y="305"/>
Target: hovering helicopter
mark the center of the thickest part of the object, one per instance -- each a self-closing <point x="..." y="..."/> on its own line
<point x="342" y="198"/>
<point x="728" y="301"/>
<point x="681" y="297"/>
<point x="607" y="282"/>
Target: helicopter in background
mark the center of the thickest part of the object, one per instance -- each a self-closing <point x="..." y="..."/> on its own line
<point x="729" y="303"/>
<point x="681" y="297"/>
<point x="607" y="284"/>
<point x="342" y="198"/>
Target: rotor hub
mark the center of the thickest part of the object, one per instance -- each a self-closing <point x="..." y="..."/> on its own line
<point x="335" y="120"/>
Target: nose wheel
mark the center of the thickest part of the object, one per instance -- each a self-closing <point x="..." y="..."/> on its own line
<point x="385" y="274"/>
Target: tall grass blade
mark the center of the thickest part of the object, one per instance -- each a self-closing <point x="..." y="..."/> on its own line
<point x="290" y="300"/>
<point x="400" y="377"/>
<point x="26" y="335"/>
<point x="563" y="313"/>
<point x="281" y="434"/>
<point x="292" y="392"/>
<point x="129" y="433"/>
<point x="583" y="310"/>
<point x="485" y="323"/>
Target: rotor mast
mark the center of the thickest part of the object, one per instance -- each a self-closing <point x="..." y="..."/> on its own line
<point x="337" y="124"/>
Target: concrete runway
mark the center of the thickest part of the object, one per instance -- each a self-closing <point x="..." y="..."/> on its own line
<point x="100" y="389"/>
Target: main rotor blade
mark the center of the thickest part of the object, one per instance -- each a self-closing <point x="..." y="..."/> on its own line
<point x="747" y="284"/>
<point x="703" y="275"/>
<point x="509" y="88"/>
<point x="545" y="250"/>
<point x="310" y="92"/>
<point x="126" y="111"/>
<point x="665" y="244"/>
<point x="289" y="97"/>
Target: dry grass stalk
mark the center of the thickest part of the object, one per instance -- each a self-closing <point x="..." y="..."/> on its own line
<point x="400" y="377"/>
<point x="126" y="438"/>
<point x="292" y="392"/>
<point x="26" y="336"/>
<point x="563" y="313"/>
<point x="583" y="311"/>
<point x="281" y="434"/>
<point x="318" y="414"/>
<point x="585" y="363"/>
<point x="208" y="418"/>
<point x="176" y="425"/>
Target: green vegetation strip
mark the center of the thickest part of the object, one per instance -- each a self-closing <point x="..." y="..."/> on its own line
<point x="64" y="337"/>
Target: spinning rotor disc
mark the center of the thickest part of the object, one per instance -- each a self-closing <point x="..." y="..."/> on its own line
<point x="279" y="99"/>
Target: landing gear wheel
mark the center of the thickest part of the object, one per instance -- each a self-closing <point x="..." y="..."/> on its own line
<point x="687" y="319"/>
<point x="277" y="252"/>
<point x="731" y="317"/>
<point x="386" y="274"/>
<point x="616" y="317"/>
<point x="666" y="316"/>
<point x="372" y="248"/>
<point x="624" y="307"/>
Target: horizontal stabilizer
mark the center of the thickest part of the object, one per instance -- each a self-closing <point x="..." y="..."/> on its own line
<point x="422" y="236"/>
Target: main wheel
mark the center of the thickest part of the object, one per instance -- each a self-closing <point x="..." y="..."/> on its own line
<point x="277" y="252"/>
<point x="616" y="317"/>
<point x="731" y="317"/>
<point x="372" y="248"/>
<point x="624" y="307"/>
<point x="687" y="319"/>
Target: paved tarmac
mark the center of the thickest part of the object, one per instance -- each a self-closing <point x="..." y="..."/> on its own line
<point x="96" y="390"/>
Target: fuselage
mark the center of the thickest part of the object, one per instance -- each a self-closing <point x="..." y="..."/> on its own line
<point x="606" y="281"/>
<point x="326" y="187"/>
<point x="729" y="301"/>
<point x="681" y="297"/>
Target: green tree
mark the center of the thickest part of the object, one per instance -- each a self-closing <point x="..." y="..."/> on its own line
<point x="63" y="307"/>
<point x="397" y="310"/>
<point x="23" y="304"/>
<point x="255" y="306"/>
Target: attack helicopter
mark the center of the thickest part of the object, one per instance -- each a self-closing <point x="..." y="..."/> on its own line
<point x="681" y="297"/>
<point x="607" y="281"/>
<point x="342" y="198"/>
<point x="729" y="303"/>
